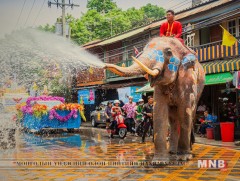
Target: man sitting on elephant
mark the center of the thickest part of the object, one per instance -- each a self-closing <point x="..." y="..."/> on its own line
<point x="172" y="28"/>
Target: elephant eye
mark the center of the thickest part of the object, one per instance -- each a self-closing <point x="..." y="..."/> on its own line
<point x="168" y="52"/>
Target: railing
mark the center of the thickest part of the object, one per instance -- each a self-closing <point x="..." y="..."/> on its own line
<point x="206" y="52"/>
<point x="216" y="51"/>
<point x="122" y="54"/>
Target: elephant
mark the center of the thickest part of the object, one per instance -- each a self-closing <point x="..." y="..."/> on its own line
<point x="177" y="90"/>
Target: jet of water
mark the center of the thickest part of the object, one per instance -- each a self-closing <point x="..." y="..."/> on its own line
<point x="29" y="52"/>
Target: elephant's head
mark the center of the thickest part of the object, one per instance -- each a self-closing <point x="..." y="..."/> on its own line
<point x="160" y="59"/>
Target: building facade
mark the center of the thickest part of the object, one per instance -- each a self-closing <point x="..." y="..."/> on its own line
<point x="201" y="32"/>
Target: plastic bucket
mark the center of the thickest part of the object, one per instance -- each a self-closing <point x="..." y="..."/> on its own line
<point x="209" y="133"/>
<point x="227" y="131"/>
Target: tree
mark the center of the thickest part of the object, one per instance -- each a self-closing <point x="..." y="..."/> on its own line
<point x="135" y="16"/>
<point x="101" y="6"/>
<point x="79" y="32"/>
<point x="153" y="11"/>
<point x="117" y="22"/>
<point x="105" y="19"/>
<point x="47" y="28"/>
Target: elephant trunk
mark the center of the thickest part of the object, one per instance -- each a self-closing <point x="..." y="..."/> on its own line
<point x="153" y="73"/>
<point x="138" y="68"/>
<point x="133" y="70"/>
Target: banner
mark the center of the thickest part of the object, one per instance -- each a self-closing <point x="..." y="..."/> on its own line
<point x="236" y="79"/>
<point x="136" y="96"/>
<point x="124" y="93"/>
<point x="86" y="96"/>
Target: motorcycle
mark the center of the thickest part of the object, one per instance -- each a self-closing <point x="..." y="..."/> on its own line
<point x="121" y="129"/>
<point x="140" y="128"/>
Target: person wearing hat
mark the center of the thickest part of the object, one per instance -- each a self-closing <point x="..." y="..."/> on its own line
<point x="116" y="110"/>
<point x="129" y="109"/>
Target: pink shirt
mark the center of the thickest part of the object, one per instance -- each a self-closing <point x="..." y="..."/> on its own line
<point x="129" y="109"/>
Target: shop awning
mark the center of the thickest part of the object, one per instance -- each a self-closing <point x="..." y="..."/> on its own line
<point x="221" y="66"/>
<point x="218" y="78"/>
<point x="146" y="88"/>
<point x="211" y="79"/>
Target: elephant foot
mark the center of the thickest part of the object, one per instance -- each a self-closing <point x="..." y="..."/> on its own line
<point x="160" y="160"/>
<point x="189" y="156"/>
<point x="184" y="156"/>
<point x="172" y="152"/>
<point x="173" y="155"/>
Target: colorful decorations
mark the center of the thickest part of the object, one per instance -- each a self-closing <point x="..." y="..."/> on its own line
<point x="20" y="113"/>
<point x="189" y="61"/>
<point x="34" y="86"/>
<point x="53" y="114"/>
<point x="87" y="95"/>
<point x="44" y="98"/>
<point x="39" y="110"/>
<point x="34" y="108"/>
<point x="90" y="70"/>
<point x="74" y="108"/>
<point x="173" y="64"/>
<point x="68" y="107"/>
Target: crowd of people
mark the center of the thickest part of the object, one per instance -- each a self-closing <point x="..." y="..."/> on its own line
<point x="134" y="114"/>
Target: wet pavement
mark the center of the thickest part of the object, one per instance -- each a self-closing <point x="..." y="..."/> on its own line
<point x="90" y="155"/>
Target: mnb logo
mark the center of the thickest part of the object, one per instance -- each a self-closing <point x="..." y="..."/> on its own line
<point x="221" y="164"/>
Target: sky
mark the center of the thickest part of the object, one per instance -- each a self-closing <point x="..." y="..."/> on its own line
<point x="33" y="15"/>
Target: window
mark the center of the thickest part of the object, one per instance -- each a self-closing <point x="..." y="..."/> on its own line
<point x="232" y="27"/>
<point x="238" y="27"/>
<point x="190" y="40"/>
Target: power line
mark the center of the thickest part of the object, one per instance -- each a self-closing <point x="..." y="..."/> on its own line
<point x="20" y="14"/>
<point x="180" y="4"/>
<point x="63" y="5"/>
<point x="39" y="13"/>
<point x="170" y="4"/>
<point x="177" y="7"/>
<point x="29" y="13"/>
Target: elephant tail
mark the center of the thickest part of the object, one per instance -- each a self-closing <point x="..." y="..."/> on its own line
<point x="192" y="139"/>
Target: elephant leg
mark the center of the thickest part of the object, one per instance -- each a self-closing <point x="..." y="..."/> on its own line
<point x="160" y="124"/>
<point x="173" y="131"/>
<point x="184" y="152"/>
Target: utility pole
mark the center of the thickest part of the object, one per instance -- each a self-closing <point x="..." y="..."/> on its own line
<point x="63" y="19"/>
<point x="63" y="6"/>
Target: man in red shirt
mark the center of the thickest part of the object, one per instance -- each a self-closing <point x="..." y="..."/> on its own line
<point x="171" y="27"/>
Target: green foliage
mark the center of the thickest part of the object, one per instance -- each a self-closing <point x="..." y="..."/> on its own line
<point x="135" y="16"/>
<point x="153" y="11"/>
<point x="101" y="6"/>
<point x="59" y="88"/>
<point x="105" y="19"/>
<point x="47" y="28"/>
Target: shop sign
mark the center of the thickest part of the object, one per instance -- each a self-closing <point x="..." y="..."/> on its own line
<point x="124" y="93"/>
<point x="219" y="78"/>
<point x="87" y="96"/>
<point x="238" y="80"/>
